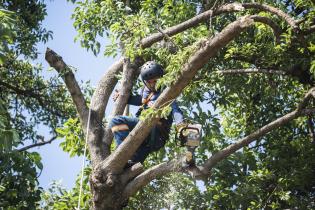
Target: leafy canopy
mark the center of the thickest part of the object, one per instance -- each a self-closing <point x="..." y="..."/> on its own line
<point x="276" y="171"/>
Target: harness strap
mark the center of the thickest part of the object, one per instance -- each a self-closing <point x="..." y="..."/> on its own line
<point x="146" y="100"/>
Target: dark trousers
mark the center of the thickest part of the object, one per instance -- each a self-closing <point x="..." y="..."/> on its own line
<point x="150" y="144"/>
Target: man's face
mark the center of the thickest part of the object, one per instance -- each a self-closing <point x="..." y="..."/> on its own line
<point x="151" y="83"/>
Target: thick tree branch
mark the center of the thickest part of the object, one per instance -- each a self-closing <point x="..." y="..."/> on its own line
<point x="105" y="87"/>
<point x="37" y="144"/>
<point x="233" y="7"/>
<point x="61" y="67"/>
<point x="129" y="74"/>
<point x="117" y="160"/>
<point x="96" y="147"/>
<point x="217" y="157"/>
<point x="272" y="10"/>
<point x="131" y="172"/>
<point x="148" y="41"/>
<point x="276" y="29"/>
<point x="248" y="71"/>
<point x="150" y="174"/>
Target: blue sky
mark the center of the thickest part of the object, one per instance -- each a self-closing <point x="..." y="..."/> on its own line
<point x="57" y="164"/>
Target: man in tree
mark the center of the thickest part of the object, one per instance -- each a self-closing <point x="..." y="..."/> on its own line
<point x="122" y="125"/>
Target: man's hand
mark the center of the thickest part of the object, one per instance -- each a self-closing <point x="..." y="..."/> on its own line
<point x="115" y="95"/>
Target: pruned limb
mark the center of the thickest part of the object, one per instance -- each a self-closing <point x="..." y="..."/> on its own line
<point x="248" y="71"/>
<point x="117" y="160"/>
<point x="217" y="157"/>
<point x="37" y="144"/>
<point x="96" y="146"/>
<point x="61" y="67"/>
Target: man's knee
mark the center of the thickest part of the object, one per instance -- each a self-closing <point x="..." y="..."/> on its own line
<point x="121" y="127"/>
<point x="118" y="124"/>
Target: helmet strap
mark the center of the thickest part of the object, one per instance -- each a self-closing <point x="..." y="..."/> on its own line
<point x="145" y="84"/>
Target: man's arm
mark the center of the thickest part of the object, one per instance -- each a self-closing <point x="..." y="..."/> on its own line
<point x="135" y="100"/>
<point x="177" y="114"/>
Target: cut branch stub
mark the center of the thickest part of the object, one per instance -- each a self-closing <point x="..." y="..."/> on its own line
<point x="57" y="63"/>
<point x="96" y="147"/>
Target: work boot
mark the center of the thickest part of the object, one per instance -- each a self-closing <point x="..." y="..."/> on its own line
<point x="129" y="164"/>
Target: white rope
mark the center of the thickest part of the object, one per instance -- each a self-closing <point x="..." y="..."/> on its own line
<point x="84" y="155"/>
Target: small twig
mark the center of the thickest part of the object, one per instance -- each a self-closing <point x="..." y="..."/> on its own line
<point x="268" y="198"/>
<point x="166" y="36"/>
<point x="37" y="144"/>
<point x="210" y="19"/>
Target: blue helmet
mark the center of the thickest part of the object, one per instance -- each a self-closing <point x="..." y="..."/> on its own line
<point x="151" y="70"/>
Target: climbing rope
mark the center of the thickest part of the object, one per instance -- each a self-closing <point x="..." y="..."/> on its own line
<point x="84" y="155"/>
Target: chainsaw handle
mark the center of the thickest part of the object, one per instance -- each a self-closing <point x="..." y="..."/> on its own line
<point x="185" y="128"/>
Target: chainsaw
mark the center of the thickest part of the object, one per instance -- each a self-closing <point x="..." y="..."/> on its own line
<point x="190" y="137"/>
